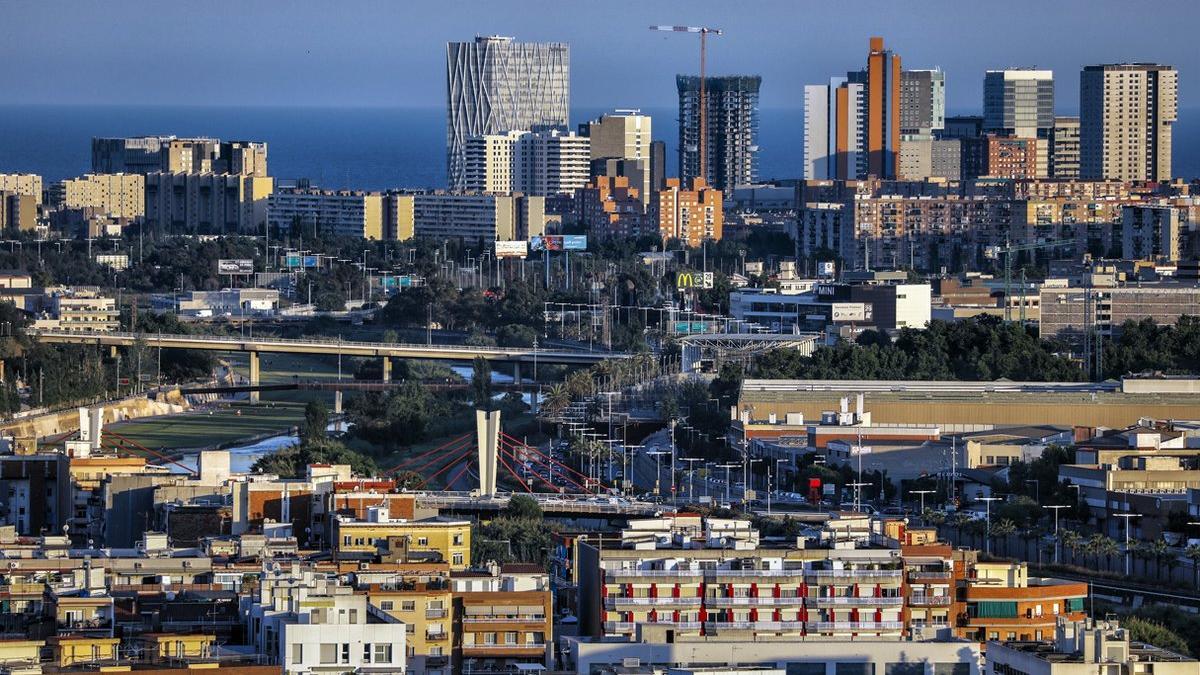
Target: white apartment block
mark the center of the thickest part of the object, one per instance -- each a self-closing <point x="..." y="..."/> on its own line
<point x="540" y="163"/>
<point x="344" y="213"/>
<point x="1126" y="112"/>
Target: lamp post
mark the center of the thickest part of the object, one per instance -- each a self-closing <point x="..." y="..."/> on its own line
<point x="727" y="467"/>
<point x="691" y="475"/>
<point x="921" y="494"/>
<point x="1037" y="490"/>
<point x="1057" y="544"/>
<point x="778" y="471"/>
<point x="657" y="469"/>
<point x="858" y="486"/>
<point x="746" y="475"/>
<point x="1126" y="516"/>
<point x="988" y="535"/>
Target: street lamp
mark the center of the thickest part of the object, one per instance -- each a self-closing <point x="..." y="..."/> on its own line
<point x="727" y="467"/>
<point x="746" y="475"/>
<point x="691" y="475"/>
<point x="657" y="468"/>
<point x="1126" y="516"/>
<point x="922" y="494"/>
<point x="858" y="486"/>
<point x="988" y="536"/>
<point x="1057" y="544"/>
<point x="1037" y="489"/>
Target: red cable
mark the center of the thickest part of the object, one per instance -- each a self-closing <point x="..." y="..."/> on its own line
<point x="556" y="463"/>
<point x="435" y="460"/>
<point x="451" y="481"/>
<point x="425" y="454"/>
<point x="561" y="475"/>
<point x="137" y="446"/>
<point x="514" y="473"/>
<point x="449" y="464"/>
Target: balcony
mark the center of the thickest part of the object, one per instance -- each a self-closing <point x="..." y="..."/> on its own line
<point x="635" y="574"/>
<point x="929" y="575"/>
<point x="520" y="618"/>
<point x="755" y="573"/>
<point x="619" y="626"/>
<point x="504" y="649"/>
<point x="661" y="601"/>
<point x="762" y="601"/>
<point x="436" y="614"/>
<point x="930" y="600"/>
<point x="856" y="601"/>
<point x="855" y="626"/>
<point x="435" y="636"/>
<point x="754" y="625"/>
<point x="854" y="575"/>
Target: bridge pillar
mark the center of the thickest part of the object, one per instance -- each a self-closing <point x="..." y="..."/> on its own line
<point x="387" y="369"/>
<point x="112" y="352"/>
<point x="337" y="402"/>
<point x="487" y="434"/>
<point x="254" y="376"/>
<point x="517" y="373"/>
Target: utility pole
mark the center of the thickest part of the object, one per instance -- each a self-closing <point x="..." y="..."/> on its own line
<point x="702" y="103"/>
<point x="1057" y="544"/>
<point x="988" y="536"/>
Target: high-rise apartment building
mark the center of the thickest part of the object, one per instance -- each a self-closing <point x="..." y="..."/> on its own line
<point x="691" y="214"/>
<point x="207" y="203"/>
<point x="1020" y="103"/>
<point x="610" y="207"/>
<point x="731" y="122"/>
<point x="495" y="85"/>
<point x="1126" y="112"/>
<point x="1012" y="157"/>
<point x="168" y="154"/>
<point x="883" y="110"/>
<point x="922" y="102"/>
<point x="1064" y="148"/>
<point x="482" y="217"/>
<point x="1153" y="232"/>
<point x="543" y="162"/>
<point x="835" y="130"/>
<point x="625" y="135"/>
<point x="121" y="195"/>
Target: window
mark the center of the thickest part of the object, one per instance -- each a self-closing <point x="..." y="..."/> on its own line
<point x="489" y="638"/>
<point x="951" y="669"/>
<point x="298" y="653"/>
<point x="510" y="638"/>
<point x="910" y="668"/>
<point x="408" y="605"/>
<point x="435" y="651"/>
<point x="328" y="652"/>
<point x="383" y="652"/>
<point x="854" y="669"/>
<point x="457" y="559"/>
<point x="345" y="652"/>
<point x="386" y="605"/>
<point x="458" y="540"/>
<point x="422" y="541"/>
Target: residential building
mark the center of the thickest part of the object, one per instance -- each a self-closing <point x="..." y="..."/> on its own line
<point x="1127" y="111"/>
<point x="27" y="184"/>
<point x="962" y="126"/>
<point x="503" y="619"/>
<point x="483" y="217"/>
<point x="922" y="103"/>
<point x="207" y="203"/>
<point x="35" y="491"/>
<point x="168" y="154"/>
<point x="341" y="213"/>
<point x="883" y="104"/>
<point x="1064" y="148"/>
<point x="1019" y="103"/>
<point x="116" y="195"/>
<point x="78" y="310"/>
<point x="1153" y="232"/>
<point x="236" y="303"/>
<point x="692" y="214"/>
<point x="399" y="215"/>
<point x="1067" y="312"/>
<point x="1013" y="157"/>
<point x="18" y="211"/>
<point x="658" y="166"/>
<point x="488" y="162"/>
<point x="430" y="539"/>
<point x="1082" y="647"/>
<point x="422" y="600"/>
<point x="609" y="206"/>
<point x="495" y="85"/>
<point x="835" y="130"/>
<point x="731" y="125"/>
<point x="624" y="135"/>
<point x="548" y="162"/>
<point x="1002" y="602"/>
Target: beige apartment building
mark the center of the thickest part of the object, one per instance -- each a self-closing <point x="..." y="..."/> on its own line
<point x="1126" y="114"/>
<point x="692" y="214"/>
<point x="485" y="217"/>
<point x="120" y="195"/>
<point x="624" y="135"/>
<point x="207" y="203"/>
<point x="18" y="211"/>
<point x="22" y="184"/>
<point x="345" y="213"/>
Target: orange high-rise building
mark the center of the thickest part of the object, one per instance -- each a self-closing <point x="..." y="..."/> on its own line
<point x="883" y="110"/>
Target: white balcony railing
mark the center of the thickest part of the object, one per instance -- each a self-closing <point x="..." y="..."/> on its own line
<point x="837" y="626"/>
<point x="856" y="601"/>
<point x="930" y="600"/>
<point x="613" y="601"/>
<point x="762" y="601"/>
<point x="856" y="574"/>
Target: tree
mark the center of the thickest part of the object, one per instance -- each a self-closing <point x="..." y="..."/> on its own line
<point x="1192" y="553"/>
<point x="293" y="461"/>
<point x="481" y="383"/>
<point x="523" y="506"/>
<point x="316" y="421"/>
<point x="556" y="399"/>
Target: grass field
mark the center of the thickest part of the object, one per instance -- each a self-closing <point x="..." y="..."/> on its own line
<point x="210" y="428"/>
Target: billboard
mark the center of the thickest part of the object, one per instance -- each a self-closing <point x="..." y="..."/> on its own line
<point x="392" y="283"/>
<point x="297" y="260"/>
<point x="512" y="249"/>
<point x="558" y="242"/>
<point x="825" y="269"/>
<point x="694" y="280"/>
<point x="235" y="266"/>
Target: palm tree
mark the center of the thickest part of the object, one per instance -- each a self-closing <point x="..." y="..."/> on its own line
<point x="1161" y="553"/>
<point x="1073" y="541"/>
<point x="1002" y="529"/>
<point x="932" y="517"/>
<point x="1192" y="553"/>
<point x="1141" y="550"/>
<point x="1099" y="545"/>
<point x="557" y="398"/>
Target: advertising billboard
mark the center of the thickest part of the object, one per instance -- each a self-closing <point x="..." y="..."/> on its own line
<point x="512" y="249"/>
<point x="558" y="242"/>
<point x="297" y="260"/>
<point x="235" y="266"/>
<point x="825" y="269"/>
<point x="694" y="280"/>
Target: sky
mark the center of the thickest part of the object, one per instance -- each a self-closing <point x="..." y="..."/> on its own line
<point x="356" y="53"/>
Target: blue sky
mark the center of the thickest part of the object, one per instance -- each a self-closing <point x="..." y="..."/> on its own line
<point x="363" y="53"/>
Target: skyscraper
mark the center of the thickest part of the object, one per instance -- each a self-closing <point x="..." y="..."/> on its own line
<point x="624" y="135"/>
<point x="883" y="110"/>
<point x="834" y="130"/>
<point x="495" y="85"/>
<point x="1019" y="103"/>
<point x="1126" y="111"/>
<point x="1064" y="148"/>
<point x="732" y="125"/>
<point x="922" y="103"/>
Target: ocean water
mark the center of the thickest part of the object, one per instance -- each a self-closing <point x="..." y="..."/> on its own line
<point x="361" y="148"/>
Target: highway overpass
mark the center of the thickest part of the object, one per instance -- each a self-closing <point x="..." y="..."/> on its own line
<point x="384" y="350"/>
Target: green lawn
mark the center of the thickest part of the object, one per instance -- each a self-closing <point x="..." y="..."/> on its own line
<point x="210" y="428"/>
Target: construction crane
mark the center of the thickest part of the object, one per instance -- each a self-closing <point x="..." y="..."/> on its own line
<point x="994" y="252"/>
<point x="702" y="104"/>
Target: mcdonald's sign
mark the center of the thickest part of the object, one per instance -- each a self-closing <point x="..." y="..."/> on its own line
<point x="694" y="280"/>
